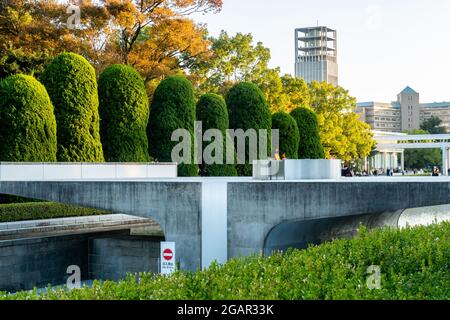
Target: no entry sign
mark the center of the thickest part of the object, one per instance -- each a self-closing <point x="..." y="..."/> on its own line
<point x="167" y="257"/>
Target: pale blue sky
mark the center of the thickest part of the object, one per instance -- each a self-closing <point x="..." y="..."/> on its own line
<point x="383" y="45"/>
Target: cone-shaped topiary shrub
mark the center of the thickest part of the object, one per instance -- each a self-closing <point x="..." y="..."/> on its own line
<point x="248" y="109"/>
<point x="173" y="108"/>
<point x="72" y="86"/>
<point x="212" y="112"/>
<point x="310" y="146"/>
<point x="288" y="134"/>
<point x="124" y="113"/>
<point x="27" y="122"/>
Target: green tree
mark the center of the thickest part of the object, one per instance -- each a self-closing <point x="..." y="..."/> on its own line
<point x="310" y="146"/>
<point x="247" y="109"/>
<point x="18" y="61"/>
<point x="234" y="59"/>
<point x="433" y="126"/>
<point x="124" y="113"/>
<point x="72" y="86"/>
<point x="343" y="135"/>
<point x="358" y="136"/>
<point x="289" y="134"/>
<point x="173" y="108"/>
<point x="296" y="90"/>
<point x="422" y="158"/>
<point x="27" y="122"/>
<point x="212" y="112"/>
<point x="238" y="59"/>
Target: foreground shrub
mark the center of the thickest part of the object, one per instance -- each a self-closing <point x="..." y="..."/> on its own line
<point x="72" y="86"/>
<point x="248" y="109"/>
<point x="414" y="264"/>
<point x="173" y="108"/>
<point x="310" y="146"/>
<point x="27" y="122"/>
<point x="124" y="115"/>
<point x="289" y="136"/>
<point x="212" y="112"/>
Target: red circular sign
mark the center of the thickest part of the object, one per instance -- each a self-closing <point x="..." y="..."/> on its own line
<point x="168" y="254"/>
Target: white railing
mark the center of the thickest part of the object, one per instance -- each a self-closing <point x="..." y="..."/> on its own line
<point x="32" y="171"/>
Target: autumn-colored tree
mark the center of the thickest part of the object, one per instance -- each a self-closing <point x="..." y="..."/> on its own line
<point x="154" y="36"/>
<point x="32" y="32"/>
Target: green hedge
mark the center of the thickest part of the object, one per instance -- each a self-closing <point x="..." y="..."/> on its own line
<point x="27" y="122"/>
<point x="414" y="264"/>
<point x="288" y="134"/>
<point x="124" y="113"/>
<point x="248" y="109"/>
<point x="173" y="108"/>
<point x="72" y="86"/>
<point x="43" y="210"/>
<point x="310" y="146"/>
<point x="212" y="112"/>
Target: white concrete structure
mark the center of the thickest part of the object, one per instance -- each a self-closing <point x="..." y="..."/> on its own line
<point x="22" y="171"/>
<point x="293" y="170"/>
<point x="391" y="144"/>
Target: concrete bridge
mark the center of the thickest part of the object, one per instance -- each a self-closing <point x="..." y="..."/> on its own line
<point x="221" y="218"/>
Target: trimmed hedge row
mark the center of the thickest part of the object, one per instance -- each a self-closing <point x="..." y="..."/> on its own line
<point x="128" y="134"/>
<point x="414" y="264"/>
<point x="43" y="210"/>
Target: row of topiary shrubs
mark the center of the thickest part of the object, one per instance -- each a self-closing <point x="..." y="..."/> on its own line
<point x="72" y="118"/>
<point x="413" y="263"/>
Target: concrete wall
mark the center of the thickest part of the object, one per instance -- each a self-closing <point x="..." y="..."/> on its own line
<point x="113" y="258"/>
<point x="27" y="263"/>
<point x="38" y="262"/>
<point x="255" y="208"/>
<point x="176" y="206"/>
<point x="186" y="206"/>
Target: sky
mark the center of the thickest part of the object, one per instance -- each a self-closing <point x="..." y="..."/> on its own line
<point x="383" y="46"/>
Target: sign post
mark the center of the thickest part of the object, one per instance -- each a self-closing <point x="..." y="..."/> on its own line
<point x="167" y="258"/>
